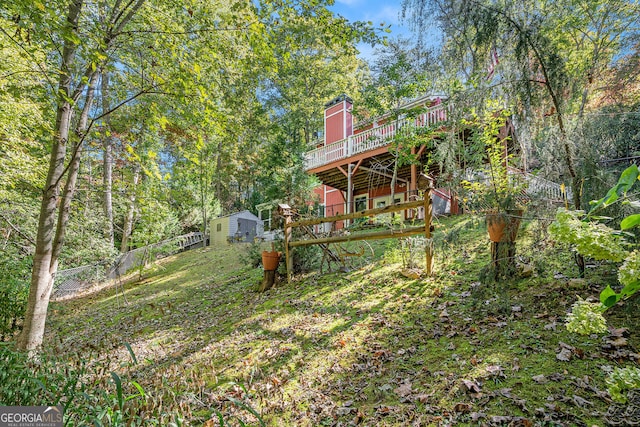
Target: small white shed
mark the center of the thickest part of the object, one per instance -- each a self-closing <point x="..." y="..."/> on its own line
<point x="237" y="227"/>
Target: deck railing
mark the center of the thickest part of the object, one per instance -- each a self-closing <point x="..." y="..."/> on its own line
<point x="533" y="185"/>
<point x="371" y="139"/>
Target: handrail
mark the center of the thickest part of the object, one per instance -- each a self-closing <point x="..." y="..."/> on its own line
<point x="371" y="139"/>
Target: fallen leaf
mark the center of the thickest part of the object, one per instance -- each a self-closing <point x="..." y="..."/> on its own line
<point x="384" y="410"/>
<point x="564" y="355"/>
<point x="475" y="416"/>
<point x="385" y="387"/>
<point x="618" y="332"/>
<point x="423" y="398"/>
<point x="342" y="411"/>
<point x="358" y="418"/>
<point x="579" y="401"/>
<point x="540" y="379"/>
<point x="495" y="371"/>
<point x="462" y="408"/>
<point x="557" y="377"/>
<point x="404" y="389"/>
<point x="521" y="422"/>
<point x="618" y="342"/>
<point x="472" y="386"/>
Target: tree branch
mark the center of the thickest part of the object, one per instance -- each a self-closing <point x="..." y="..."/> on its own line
<point x="17" y="230"/>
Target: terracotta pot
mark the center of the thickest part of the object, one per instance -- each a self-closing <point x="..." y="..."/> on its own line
<point x="503" y="227"/>
<point x="270" y="260"/>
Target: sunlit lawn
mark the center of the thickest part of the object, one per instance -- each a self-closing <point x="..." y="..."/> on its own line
<point x="368" y="347"/>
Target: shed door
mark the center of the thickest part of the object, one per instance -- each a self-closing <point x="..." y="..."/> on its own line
<point x="247" y="229"/>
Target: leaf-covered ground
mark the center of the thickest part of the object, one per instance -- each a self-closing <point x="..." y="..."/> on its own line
<point x="369" y="347"/>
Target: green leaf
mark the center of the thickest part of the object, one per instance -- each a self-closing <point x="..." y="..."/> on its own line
<point x="634" y="204"/>
<point x="118" y="382"/>
<point x="630" y="289"/>
<point x="626" y="181"/>
<point x="630" y="221"/>
<point x="131" y="353"/>
<point x="608" y="297"/>
<point x="140" y="391"/>
<point x="247" y="408"/>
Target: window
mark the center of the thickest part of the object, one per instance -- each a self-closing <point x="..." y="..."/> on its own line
<point x="361" y="203"/>
<point x="219" y="227"/>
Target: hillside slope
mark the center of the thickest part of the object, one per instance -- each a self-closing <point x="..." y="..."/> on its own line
<point x="369" y="347"/>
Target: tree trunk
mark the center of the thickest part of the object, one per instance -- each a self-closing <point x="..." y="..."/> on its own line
<point x="128" y="220"/>
<point x="216" y="173"/>
<point x="107" y="178"/>
<point x="42" y="273"/>
<point x="48" y="246"/>
<point x="203" y="193"/>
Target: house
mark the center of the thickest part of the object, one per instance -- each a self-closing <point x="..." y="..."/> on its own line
<point x="237" y="227"/>
<point x="354" y="163"/>
<point x="355" y="166"/>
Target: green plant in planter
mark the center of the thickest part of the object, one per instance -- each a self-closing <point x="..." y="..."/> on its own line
<point x="497" y="193"/>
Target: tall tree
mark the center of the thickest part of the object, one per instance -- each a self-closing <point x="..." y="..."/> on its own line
<point x="82" y="45"/>
<point x="147" y="47"/>
<point x="551" y="54"/>
<point x="107" y="160"/>
<point x="400" y="73"/>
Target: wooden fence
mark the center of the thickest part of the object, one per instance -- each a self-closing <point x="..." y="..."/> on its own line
<point x="425" y="229"/>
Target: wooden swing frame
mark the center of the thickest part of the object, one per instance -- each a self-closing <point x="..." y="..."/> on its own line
<point x="425" y="229"/>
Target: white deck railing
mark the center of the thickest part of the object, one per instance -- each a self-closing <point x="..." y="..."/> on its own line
<point x="548" y="189"/>
<point x="533" y="184"/>
<point x="371" y="139"/>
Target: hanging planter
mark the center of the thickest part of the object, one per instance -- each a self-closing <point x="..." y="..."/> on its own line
<point x="503" y="227"/>
<point x="270" y="260"/>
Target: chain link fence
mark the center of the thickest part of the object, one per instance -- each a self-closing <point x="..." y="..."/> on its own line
<point x="71" y="281"/>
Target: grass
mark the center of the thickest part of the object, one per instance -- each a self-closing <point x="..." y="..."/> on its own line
<point x="368" y="347"/>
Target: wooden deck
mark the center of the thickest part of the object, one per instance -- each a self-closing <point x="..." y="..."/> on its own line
<point x="369" y="152"/>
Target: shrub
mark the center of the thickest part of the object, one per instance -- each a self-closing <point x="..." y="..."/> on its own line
<point x="14" y="291"/>
<point x="88" y="398"/>
<point x="622" y="380"/>
<point x="586" y="318"/>
<point x="253" y="255"/>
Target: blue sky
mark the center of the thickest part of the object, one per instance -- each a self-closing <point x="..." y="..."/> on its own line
<point x="376" y="11"/>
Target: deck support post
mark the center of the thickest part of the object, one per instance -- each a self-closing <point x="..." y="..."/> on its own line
<point x="413" y="183"/>
<point x="428" y="212"/>
<point x="349" y="192"/>
<point x="287" y="250"/>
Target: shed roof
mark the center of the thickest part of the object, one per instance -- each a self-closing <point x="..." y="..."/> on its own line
<point x="246" y="211"/>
